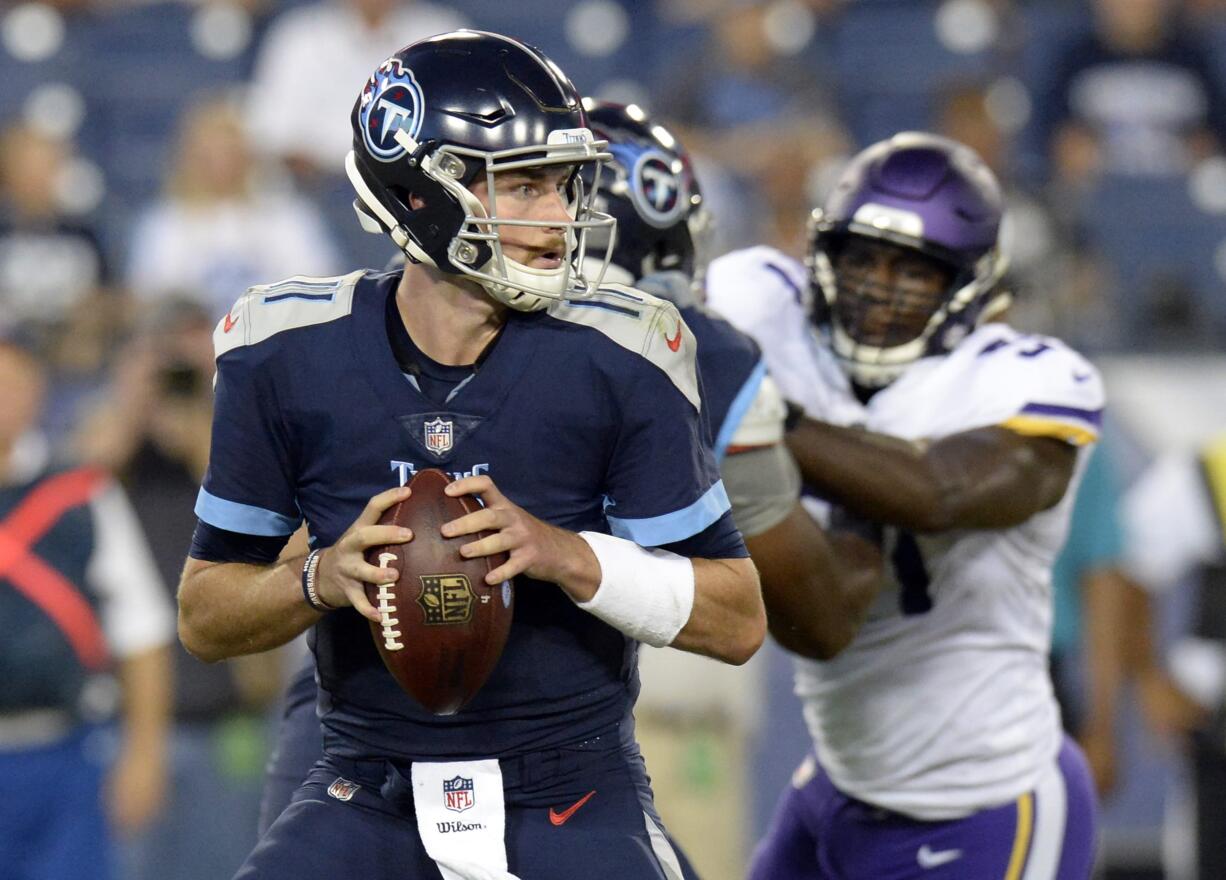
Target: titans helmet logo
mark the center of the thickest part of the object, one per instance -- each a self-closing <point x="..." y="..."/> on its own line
<point x="391" y="102"/>
<point x="659" y="188"/>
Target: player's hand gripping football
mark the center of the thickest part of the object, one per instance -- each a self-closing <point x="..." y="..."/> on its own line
<point x="533" y="547"/>
<point x="343" y="568"/>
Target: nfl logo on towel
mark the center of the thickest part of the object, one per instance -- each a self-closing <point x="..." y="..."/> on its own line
<point x="458" y="794"/>
<point x="438" y="436"/>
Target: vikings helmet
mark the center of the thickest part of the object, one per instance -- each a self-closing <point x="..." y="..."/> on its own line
<point x="440" y="113"/>
<point x="648" y="186"/>
<point x="931" y="197"/>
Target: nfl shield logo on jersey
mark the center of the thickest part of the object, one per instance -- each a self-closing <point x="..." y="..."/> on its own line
<point x="343" y="789"/>
<point x="458" y="794"/>
<point x="438" y="436"/>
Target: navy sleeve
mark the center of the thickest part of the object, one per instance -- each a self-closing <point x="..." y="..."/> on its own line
<point x="249" y="486"/>
<point x="212" y="544"/>
<point x="663" y="485"/>
<point x="718" y="541"/>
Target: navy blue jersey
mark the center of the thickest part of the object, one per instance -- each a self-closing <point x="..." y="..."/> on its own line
<point x="586" y="415"/>
<point x="731" y="367"/>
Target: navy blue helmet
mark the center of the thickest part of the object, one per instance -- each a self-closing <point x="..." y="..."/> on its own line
<point x="648" y="186"/>
<point x="933" y="201"/>
<point x="443" y="111"/>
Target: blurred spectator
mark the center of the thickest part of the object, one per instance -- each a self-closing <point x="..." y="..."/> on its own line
<point x="755" y="111"/>
<point x="154" y="432"/>
<point x="79" y="598"/>
<point x="1059" y="285"/>
<point x="52" y="267"/>
<point x="221" y="227"/>
<point x="1173" y="517"/>
<point x="742" y="76"/>
<point x="1086" y="587"/>
<point x="1138" y="95"/>
<point x="315" y="60"/>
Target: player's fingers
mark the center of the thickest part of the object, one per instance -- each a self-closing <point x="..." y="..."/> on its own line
<point x="357" y="598"/>
<point x="487" y="546"/>
<point x="479" y="485"/>
<point x="375" y="506"/>
<point x="369" y="574"/>
<point x="509" y="569"/>
<point x="484" y="520"/>
<point x="376" y="536"/>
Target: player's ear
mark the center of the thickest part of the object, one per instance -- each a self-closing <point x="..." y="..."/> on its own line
<point x="416" y="202"/>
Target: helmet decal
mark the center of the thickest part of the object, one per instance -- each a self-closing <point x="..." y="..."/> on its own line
<point x="391" y="102"/>
<point x="658" y="191"/>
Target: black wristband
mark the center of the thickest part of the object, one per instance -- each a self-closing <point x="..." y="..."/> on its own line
<point x="309" y="570"/>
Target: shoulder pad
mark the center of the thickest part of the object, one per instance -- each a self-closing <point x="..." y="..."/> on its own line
<point x="758" y="289"/>
<point x="1050" y="388"/>
<point x="267" y="309"/>
<point x="641" y="323"/>
<point x="764" y="421"/>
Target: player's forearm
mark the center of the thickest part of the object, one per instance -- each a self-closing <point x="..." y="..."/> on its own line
<point x="816" y="598"/>
<point x="728" y="620"/>
<point x="985" y="478"/>
<point x="230" y="609"/>
<point x="882" y="478"/>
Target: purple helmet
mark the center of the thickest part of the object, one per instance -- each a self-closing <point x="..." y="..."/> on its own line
<point x="933" y="200"/>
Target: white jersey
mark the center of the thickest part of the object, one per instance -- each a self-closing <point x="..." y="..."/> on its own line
<point x="947" y="707"/>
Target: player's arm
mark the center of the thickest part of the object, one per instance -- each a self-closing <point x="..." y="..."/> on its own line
<point x="985" y="478"/>
<point x="817" y="586"/>
<point x="705" y="606"/>
<point x="228" y="609"/>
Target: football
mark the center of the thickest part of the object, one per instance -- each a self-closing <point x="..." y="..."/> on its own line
<point x="443" y="627"/>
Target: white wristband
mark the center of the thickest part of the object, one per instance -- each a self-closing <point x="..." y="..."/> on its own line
<point x="647" y="594"/>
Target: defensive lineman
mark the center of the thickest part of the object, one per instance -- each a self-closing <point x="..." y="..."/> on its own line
<point x="958" y="442"/>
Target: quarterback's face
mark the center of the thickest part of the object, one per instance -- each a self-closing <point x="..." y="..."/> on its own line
<point x="536" y="194"/>
<point x="886" y="293"/>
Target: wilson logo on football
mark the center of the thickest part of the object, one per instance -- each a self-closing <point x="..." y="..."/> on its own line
<point x="446" y="599"/>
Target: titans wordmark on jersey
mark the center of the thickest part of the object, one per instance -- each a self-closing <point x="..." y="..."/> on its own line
<point x="942" y="705"/>
<point x="586" y="415"/>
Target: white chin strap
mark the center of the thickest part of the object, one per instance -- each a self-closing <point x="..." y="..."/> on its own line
<point x="520" y="280"/>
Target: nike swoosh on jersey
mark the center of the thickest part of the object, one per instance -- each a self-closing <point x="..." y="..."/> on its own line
<point x="229" y="324"/>
<point x="931" y="858"/>
<point x="560" y="818"/>
<point x="675" y="342"/>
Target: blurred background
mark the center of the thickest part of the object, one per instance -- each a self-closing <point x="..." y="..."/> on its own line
<point x="158" y="157"/>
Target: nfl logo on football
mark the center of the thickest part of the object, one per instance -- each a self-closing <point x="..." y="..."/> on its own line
<point x="438" y="436"/>
<point x="458" y="794"/>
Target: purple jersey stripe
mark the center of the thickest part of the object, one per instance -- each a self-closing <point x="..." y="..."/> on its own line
<point x="1092" y="416"/>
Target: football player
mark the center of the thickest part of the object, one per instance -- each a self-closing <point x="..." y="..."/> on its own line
<point x="572" y="412"/>
<point x="938" y="747"/>
<point x="648" y="186"/>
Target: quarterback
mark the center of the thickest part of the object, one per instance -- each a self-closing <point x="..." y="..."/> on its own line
<point x="957" y="443"/>
<point x="572" y="410"/>
<point x="649" y="187"/>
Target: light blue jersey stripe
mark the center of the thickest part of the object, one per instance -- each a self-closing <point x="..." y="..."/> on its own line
<point x="243" y="518"/>
<point x="676" y="526"/>
<point x="736" y="412"/>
